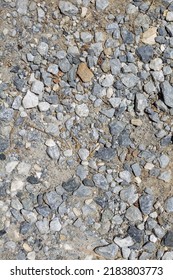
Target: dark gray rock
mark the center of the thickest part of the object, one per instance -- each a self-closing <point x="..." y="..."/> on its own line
<point x="168" y="239"/>
<point x="105" y="154"/>
<point x="124" y="139"/>
<point x="145" y="53"/>
<point x="127" y="36"/>
<point x="135" y="233"/>
<point x="71" y="185"/>
<point x="32" y="180"/>
<point x="25" y="227"/>
<point x="146" y="203"/>
<point x="136" y="169"/>
<point x="43" y="210"/>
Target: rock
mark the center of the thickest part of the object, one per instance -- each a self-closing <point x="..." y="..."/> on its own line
<point x="101" y="4"/>
<point x="22" y="6"/>
<point x="43" y="226"/>
<point x="127" y="36"/>
<point x="135" y="234"/>
<point x="2" y="156"/>
<point x="169" y="28"/>
<point x="130" y="80"/>
<point x="6" y="114"/>
<point x="124" y="242"/>
<point x="55" y="225"/>
<point x="82" y="172"/>
<point x="136" y="169"/>
<point x="17" y="102"/>
<point x="11" y="166"/>
<point x="108" y="251"/>
<point x="140" y="103"/>
<point x="168" y="256"/>
<point x="169" y="205"/>
<point x="136" y="122"/>
<point x="53" y="69"/>
<point x="53" y="152"/>
<point x="167" y="91"/>
<point x="169" y="16"/>
<point x="146" y="203"/>
<point x="86" y="37"/>
<point x="108" y="80"/>
<point x="145" y="53"/>
<point x="25" y="227"/>
<point x="133" y="214"/>
<point x="68" y="8"/>
<point x="64" y="65"/>
<point x="83" y="154"/>
<point x="148" y="37"/>
<point x="32" y="180"/>
<point x="43" y="106"/>
<point x="100" y="181"/>
<point x="105" y="154"/>
<point x="164" y="161"/>
<point x="82" y="110"/>
<point x="37" y="87"/>
<point x="156" y="64"/>
<point x="129" y="195"/>
<point x="71" y="185"/>
<point x="44" y="211"/>
<point x="168" y="239"/>
<point x="29" y="216"/>
<point x="43" y="48"/>
<point x="125" y="176"/>
<point x="116" y="127"/>
<point x="84" y="72"/>
<point x="166" y="176"/>
<point x="4" y="144"/>
<point x="30" y="100"/>
<point x="17" y="185"/>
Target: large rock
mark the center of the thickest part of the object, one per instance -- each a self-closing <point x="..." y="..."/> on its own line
<point x="68" y="8"/>
<point x="30" y="100"/>
<point x="149" y="36"/>
<point x="84" y="72"/>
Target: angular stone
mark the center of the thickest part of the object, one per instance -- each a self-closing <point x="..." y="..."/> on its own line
<point x="130" y="80"/>
<point x="83" y="154"/>
<point x="17" y="185"/>
<point x="125" y="176"/>
<point x="6" y="114"/>
<point x="108" y="251"/>
<point x="30" y="100"/>
<point x="133" y="214"/>
<point x="105" y="154"/>
<point x="43" y="226"/>
<point x="68" y="8"/>
<point x="148" y="37"/>
<point x="129" y="195"/>
<point x="164" y="161"/>
<point x="22" y="6"/>
<point x="145" y="53"/>
<point x="135" y="233"/>
<point x="168" y="239"/>
<point x="169" y="205"/>
<point x="140" y="103"/>
<point x="4" y="144"/>
<point x="124" y="242"/>
<point x="71" y="185"/>
<point x="84" y="72"/>
<point x="102" y="4"/>
<point x="37" y="87"/>
<point x="156" y="64"/>
<point x="108" y="80"/>
<point x="167" y="91"/>
<point x="116" y="127"/>
<point x="53" y="152"/>
<point x="82" y="110"/>
<point x="100" y="181"/>
<point x="55" y="225"/>
<point x="166" y="176"/>
<point x="146" y="203"/>
<point x="43" y="48"/>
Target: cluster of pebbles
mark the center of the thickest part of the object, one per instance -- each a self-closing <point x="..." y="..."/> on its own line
<point x="86" y="145"/>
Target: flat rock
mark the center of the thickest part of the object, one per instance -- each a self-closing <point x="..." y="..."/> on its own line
<point x="71" y="185"/>
<point x="84" y="72"/>
<point x="30" y="100"/>
<point x="124" y="242"/>
<point x="100" y="181"/>
<point x="145" y="53"/>
<point x="167" y="91"/>
<point x="169" y="205"/>
<point x="148" y="37"/>
<point x="108" y="251"/>
<point x="68" y="8"/>
<point x="105" y="154"/>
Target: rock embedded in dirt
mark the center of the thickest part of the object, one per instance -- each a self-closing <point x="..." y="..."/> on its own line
<point x="84" y="73"/>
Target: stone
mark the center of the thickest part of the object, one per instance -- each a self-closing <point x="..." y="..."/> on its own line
<point x="116" y="127"/>
<point x="145" y="53"/>
<point x="164" y="161"/>
<point x="125" y="176"/>
<point x="136" y="122"/>
<point x="136" y="169"/>
<point x="43" y="48"/>
<point x="166" y="176"/>
<point x="17" y="185"/>
<point x="32" y="180"/>
<point x="115" y="101"/>
<point x="55" y="225"/>
<point x="129" y="195"/>
<point x="43" y="106"/>
<point x="101" y="5"/>
<point x="108" y="80"/>
<point x="6" y="114"/>
<point x="86" y="37"/>
<point x="25" y="227"/>
<point x="37" y="87"/>
<point x="22" y="6"/>
<point x="135" y="233"/>
<point x="168" y="239"/>
<point x="169" y="205"/>
<point x="82" y="110"/>
<point x="168" y="256"/>
<point x="105" y="154"/>
<point x="44" y="211"/>
<point x="167" y="92"/>
<point x="53" y="69"/>
<point x="148" y="37"/>
<point x="169" y="16"/>
<point x="29" y="216"/>
<point x="133" y="214"/>
<point x="71" y="185"/>
<point x="83" y="154"/>
<point x="64" y="65"/>
<point x="43" y="226"/>
<point x="140" y="103"/>
<point x="4" y="144"/>
<point x="11" y="166"/>
<point x="30" y="100"/>
<point x="53" y="152"/>
<point x="100" y="181"/>
<point x="156" y="64"/>
<point x="108" y="251"/>
<point x="146" y="203"/>
<point x="130" y="80"/>
<point x="68" y="8"/>
<point x="127" y="36"/>
<point x="84" y="72"/>
<point x="124" y="242"/>
<point x="81" y="172"/>
<point x="17" y="102"/>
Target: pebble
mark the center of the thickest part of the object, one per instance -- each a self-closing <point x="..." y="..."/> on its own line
<point x="167" y="91"/>
<point x="83" y="154"/>
<point x="17" y="185"/>
<point x="136" y="122"/>
<point x="125" y="176"/>
<point x="43" y="106"/>
<point x="148" y="37"/>
<point x="53" y="152"/>
<point x="30" y="100"/>
<point x="32" y="180"/>
<point x="6" y="114"/>
<point x="164" y="161"/>
<point x="37" y="87"/>
<point x="29" y="216"/>
<point x="71" y="185"/>
<point x="11" y="166"/>
<point x="67" y="8"/>
<point x="169" y="205"/>
<point x="145" y="53"/>
<point x="124" y="242"/>
<point x="135" y="233"/>
<point x="166" y="176"/>
<point x="108" y="81"/>
<point x="22" y="6"/>
<point x="109" y="251"/>
<point x="82" y="110"/>
<point x="43" y="226"/>
<point x="55" y="225"/>
<point x="101" y="5"/>
<point x="100" y="181"/>
<point x="146" y="203"/>
<point x="43" y="48"/>
<point x="133" y="214"/>
<point x="105" y="154"/>
<point x="129" y="195"/>
<point x="130" y="80"/>
<point x="168" y="239"/>
<point x="140" y="103"/>
<point x="168" y="256"/>
<point x="136" y="169"/>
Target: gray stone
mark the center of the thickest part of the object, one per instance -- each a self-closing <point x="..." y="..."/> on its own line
<point x="43" y="226"/>
<point x="30" y="100"/>
<point x="83" y="154"/>
<point x="37" y="87"/>
<point x="100" y="181"/>
<point x="25" y="227"/>
<point x="165" y="176"/>
<point x="115" y="66"/>
<point x="136" y="169"/>
<point x="55" y="224"/>
<point x="61" y="54"/>
<point x="167" y="91"/>
<point x="164" y="161"/>
<point x="68" y="8"/>
<point x="115" y="101"/>
<point x="43" y="106"/>
<point x="29" y="216"/>
<point x="43" y="48"/>
<point x="83" y="191"/>
<point x="86" y="37"/>
<point x="169" y="205"/>
<point x="71" y="185"/>
<point x="127" y="36"/>
<point x="124" y="139"/>
<point x="6" y="114"/>
<point x="168" y="239"/>
<point x="125" y="176"/>
<point x="22" y="6"/>
<point x="43" y="210"/>
<point x="82" y="172"/>
<point x="17" y="102"/>
<point x="105" y="154"/>
<point x="124" y="242"/>
<point x="156" y="64"/>
<point x="129" y="195"/>
<point x="102" y="4"/>
<point x="82" y="110"/>
<point x="140" y="103"/>
<point x="108" y="113"/>
<point x="135" y="234"/>
<point x="133" y="214"/>
<point x="150" y="247"/>
<point x="168" y="256"/>
<point x="116" y="127"/>
<point x="169" y="28"/>
<point x="64" y="65"/>
<point x="108" y="80"/>
<point x="108" y="251"/>
<point x="145" y="53"/>
<point x="53" y="152"/>
<point x="146" y="203"/>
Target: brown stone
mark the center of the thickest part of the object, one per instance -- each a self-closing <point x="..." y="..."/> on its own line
<point x="149" y="36"/>
<point x="84" y="72"/>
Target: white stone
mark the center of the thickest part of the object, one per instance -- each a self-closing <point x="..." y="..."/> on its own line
<point x="156" y="64"/>
<point x="149" y="166"/>
<point x="50" y="143"/>
<point x="83" y="154"/>
<point x="169" y="16"/>
<point x="23" y="168"/>
<point x="43" y="106"/>
<point x="30" y="100"/>
<point x="55" y="224"/>
<point x="82" y="110"/>
<point x="31" y="255"/>
<point x="68" y="153"/>
<point x="124" y="242"/>
<point x="17" y="185"/>
<point x="37" y="87"/>
<point x="11" y="166"/>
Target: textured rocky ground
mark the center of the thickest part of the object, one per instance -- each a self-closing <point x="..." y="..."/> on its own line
<point x="86" y="106"/>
